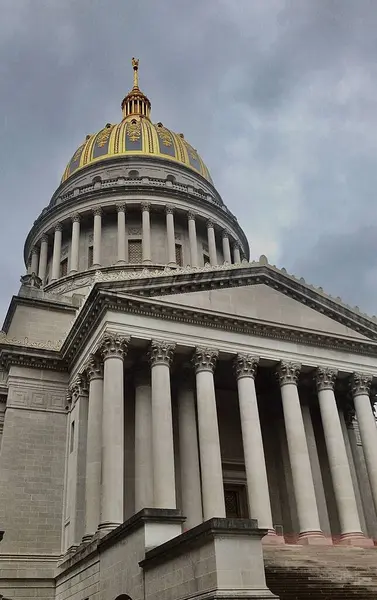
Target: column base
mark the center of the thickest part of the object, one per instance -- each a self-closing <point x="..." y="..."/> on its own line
<point x="87" y="538"/>
<point x="272" y="539"/>
<point x="357" y="539"/>
<point x="313" y="538"/>
<point x="147" y="261"/>
<point x="73" y="272"/>
<point x="105" y="528"/>
<point x="96" y="266"/>
<point x="121" y="261"/>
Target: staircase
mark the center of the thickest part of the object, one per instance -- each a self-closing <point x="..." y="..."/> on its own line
<point x="321" y="572"/>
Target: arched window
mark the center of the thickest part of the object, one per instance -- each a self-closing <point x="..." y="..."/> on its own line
<point x="170" y="178"/>
<point x="123" y="597"/>
<point x="133" y="174"/>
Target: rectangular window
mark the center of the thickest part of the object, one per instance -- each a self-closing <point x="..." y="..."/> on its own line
<point x="72" y="437"/>
<point x="135" y="251"/>
<point x="235" y="502"/>
<point x="178" y="255"/>
<point x="90" y="257"/>
<point x="64" y="267"/>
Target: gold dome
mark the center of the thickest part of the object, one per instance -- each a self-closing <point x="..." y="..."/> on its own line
<point x="136" y="136"/>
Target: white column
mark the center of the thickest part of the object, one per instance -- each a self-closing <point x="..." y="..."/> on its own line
<point x="113" y="350"/>
<point x="146" y="228"/>
<point x="226" y="247"/>
<point x="80" y="399"/>
<point x="43" y="259"/>
<point x="367" y="426"/>
<point x="211" y="243"/>
<point x="97" y="227"/>
<point x="34" y="260"/>
<point x="307" y="511"/>
<point x="75" y="241"/>
<point x="209" y="441"/>
<point x="236" y="253"/>
<point x="192" y="239"/>
<point x="94" y="447"/>
<point x="143" y="442"/>
<point x="350" y="527"/>
<point x="189" y="451"/>
<point x="170" y="235"/>
<point x="161" y="354"/>
<point x="245" y="366"/>
<point x="122" y="239"/>
<point x="56" y="254"/>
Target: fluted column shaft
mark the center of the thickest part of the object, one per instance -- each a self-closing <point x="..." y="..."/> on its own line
<point x="245" y="367"/>
<point x="170" y="235"/>
<point x="97" y="234"/>
<point x="75" y="241"/>
<point x="337" y="454"/>
<point x="189" y="454"/>
<point x="236" y="253"/>
<point x="43" y="259"/>
<point x="307" y="511"/>
<point x="34" y="260"/>
<point x="209" y="440"/>
<point x="226" y="248"/>
<point x="78" y="465"/>
<point x="94" y="447"/>
<point x="143" y="443"/>
<point x="367" y="425"/>
<point x="113" y="350"/>
<point x="161" y="354"/>
<point x="211" y="243"/>
<point x="56" y="254"/>
<point x="146" y="233"/>
<point x="192" y="239"/>
<point x="122" y="238"/>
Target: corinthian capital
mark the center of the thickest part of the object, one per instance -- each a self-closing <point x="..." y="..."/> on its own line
<point x="58" y="227"/>
<point x="161" y="352"/>
<point x="169" y="209"/>
<point x="325" y="378"/>
<point x="94" y="367"/>
<point x="121" y="207"/>
<point x="145" y="206"/>
<point x="245" y="365"/>
<point x="288" y="372"/>
<point x="205" y="359"/>
<point x="97" y="212"/>
<point x="210" y="224"/>
<point x="360" y="384"/>
<point x="75" y="218"/>
<point x="114" y="346"/>
<point x="79" y="387"/>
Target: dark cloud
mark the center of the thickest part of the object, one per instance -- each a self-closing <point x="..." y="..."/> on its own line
<point x="279" y="97"/>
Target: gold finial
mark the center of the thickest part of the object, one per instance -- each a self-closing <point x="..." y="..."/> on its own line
<point x="135" y="66"/>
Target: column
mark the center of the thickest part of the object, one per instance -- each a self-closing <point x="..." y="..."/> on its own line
<point x="307" y="512"/>
<point x="113" y="348"/>
<point x="94" y="447"/>
<point x="34" y="260"/>
<point x="189" y="451"/>
<point x="79" y="416"/>
<point x="43" y="259"/>
<point x="204" y="360"/>
<point x="56" y="254"/>
<point x="75" y="241"/>
<point x="161" y="355"/>
<point x="236" y="253"/>
<point x="350" y="527"/>
<point x="367" y="426"/>
<point x="143" y="442"/>
<point x="146" y="228"/>
<point x="122" y="238"/>
<point x="170" y="235"/>
<point x="97" y="227"/>
<point x="192" y="240"/>
<point x="211" y="243"/>
<point x="245" y="367"/>
<point x="226" y="247"/>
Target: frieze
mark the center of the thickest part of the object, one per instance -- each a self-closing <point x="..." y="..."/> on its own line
<point x="43" y="398"/>
<point x="45" y="345"/>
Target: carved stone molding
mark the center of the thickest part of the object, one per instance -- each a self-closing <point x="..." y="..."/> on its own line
<point x="114" y="346"/>
<point x="35" y="250"/>
<point x="205" y="359"/>
<point x="325" y="378"/>
<point x="169" y="209"/>
<point x="94" y="367"/>
<point x="97" y="212"/>
<point x="210" y="224"/>
<point x="121" y="207"/>
<point x="145" y="206"/>
<point x="58" y="227"/>
<point x="288" y="372"/>
<point x="236" y="245"/>
<point x="225" y="233"/>
<point x="161" y="352"/>
<point x="360" y="384"/>
<point x="75" y="218"/>
<point x="44" y="238"/>
<point x="31" y="280"/>
<point x="79" y="387"/>
<point x="191" y="215"/>
<point x="245" y="365"/>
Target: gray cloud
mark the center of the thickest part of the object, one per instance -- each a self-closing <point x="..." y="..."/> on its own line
<point x="279" y="97"/>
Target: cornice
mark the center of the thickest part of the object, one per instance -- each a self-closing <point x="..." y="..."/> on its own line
<point x="30" y="357"/>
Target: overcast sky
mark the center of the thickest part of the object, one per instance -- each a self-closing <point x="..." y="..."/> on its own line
<point x="279" y="97"/>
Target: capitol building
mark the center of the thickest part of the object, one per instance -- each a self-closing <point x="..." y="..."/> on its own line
<point x="173" y="413"/>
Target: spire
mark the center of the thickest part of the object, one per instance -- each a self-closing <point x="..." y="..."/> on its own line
<point x="136" y="103"/>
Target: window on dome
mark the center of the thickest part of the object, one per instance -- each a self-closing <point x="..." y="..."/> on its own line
<point x="178" y="255"/>
<point x="90" y="257"/>
<point x="135" y="251"/>
<point x="64" y="267"/>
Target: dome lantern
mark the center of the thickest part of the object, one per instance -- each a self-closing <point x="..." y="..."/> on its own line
<point x="136" y="103"/>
